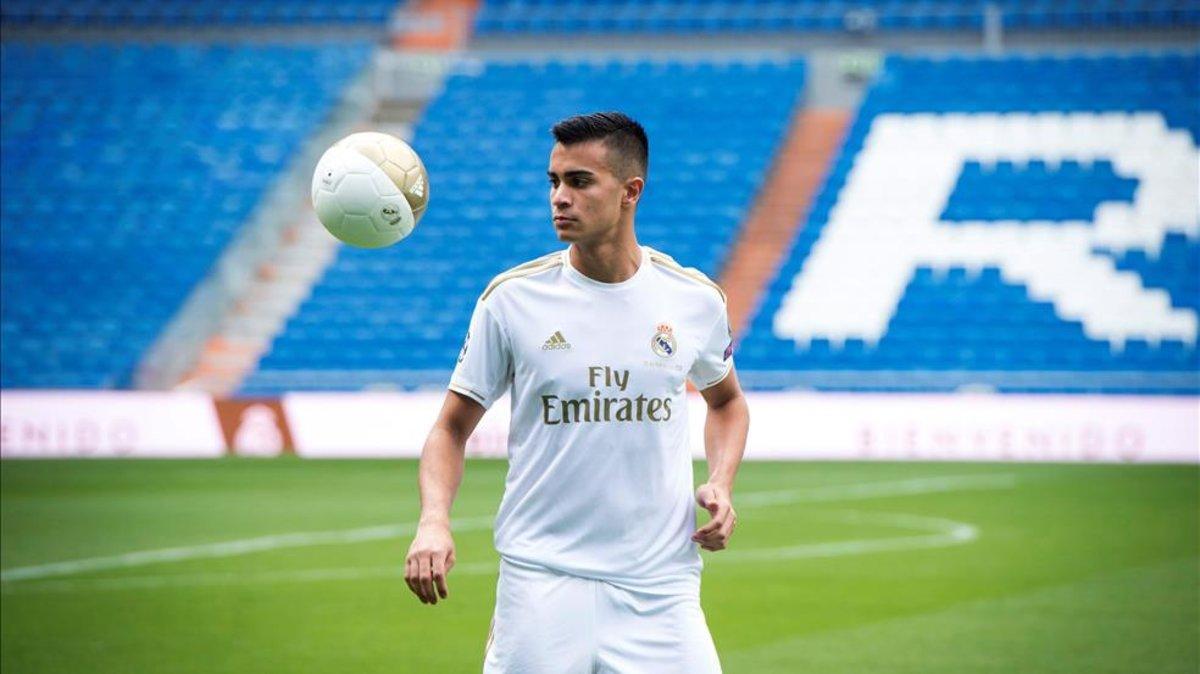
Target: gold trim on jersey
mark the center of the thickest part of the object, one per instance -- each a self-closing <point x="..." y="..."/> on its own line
<point x="667" y="262"/>
<point x="477" y="397"/>
<point x="543" y="263"/>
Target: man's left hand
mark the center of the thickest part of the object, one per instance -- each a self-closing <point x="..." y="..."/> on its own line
<point x="716" y="500"/>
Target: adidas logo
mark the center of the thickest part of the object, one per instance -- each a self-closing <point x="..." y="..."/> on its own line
<point x="556" y="342"/>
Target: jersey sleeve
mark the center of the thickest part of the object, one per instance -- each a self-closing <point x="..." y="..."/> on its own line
<point x="484" y="367"/>
<point x="715" y="359"/>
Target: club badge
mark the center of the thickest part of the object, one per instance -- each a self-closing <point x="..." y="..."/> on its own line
<point x="663" y="341"/>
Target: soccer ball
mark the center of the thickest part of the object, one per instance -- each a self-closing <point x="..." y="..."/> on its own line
<point x="370" y="189"/>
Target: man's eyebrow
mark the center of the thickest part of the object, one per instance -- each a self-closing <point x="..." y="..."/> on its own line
<point x="576" y="173"/>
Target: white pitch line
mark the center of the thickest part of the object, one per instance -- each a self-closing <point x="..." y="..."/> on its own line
<point x="187" y="580"/>
<point x="247" y="546"/>
<point x="232" y="548"/>
<point x="945" y="533"/>
<point x="870" y="490"/>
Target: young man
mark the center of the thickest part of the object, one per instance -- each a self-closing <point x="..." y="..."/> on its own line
<point x="596" y="532"/>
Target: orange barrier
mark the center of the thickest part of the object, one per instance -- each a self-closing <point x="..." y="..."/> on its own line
<point x="437" y="25"/>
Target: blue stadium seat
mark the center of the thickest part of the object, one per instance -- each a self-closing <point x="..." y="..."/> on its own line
<point x="176" y="13"/>
<point x="971" y="326"/>
<point x="126" y="170"/>
<point x="728" y="16"/>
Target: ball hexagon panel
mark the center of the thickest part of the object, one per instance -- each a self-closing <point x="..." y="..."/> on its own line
<point x="328" y="210"/>
<point x="357" y="194"/>
<point x="354" y="226"/>
<point x="330" y="172"/>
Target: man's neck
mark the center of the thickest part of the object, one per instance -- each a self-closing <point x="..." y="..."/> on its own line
<point x="608" y="261"/>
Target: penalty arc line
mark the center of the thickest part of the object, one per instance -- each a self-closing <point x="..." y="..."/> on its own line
<point x="233" y="548"/>
<point x="942" y="533"/>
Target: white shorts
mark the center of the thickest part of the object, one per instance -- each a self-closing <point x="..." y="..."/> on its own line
<point x="559" y="624"/>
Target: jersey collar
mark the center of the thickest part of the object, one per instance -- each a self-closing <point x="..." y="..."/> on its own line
<point x="578" y="278"/>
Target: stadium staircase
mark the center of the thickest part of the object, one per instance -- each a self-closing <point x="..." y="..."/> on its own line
<point x="396" y="317"/>
<point x="273" y="257"/>
<point x="239" y="309"/>
<point x="388" y="97"/>
<point x="786" y="196"/>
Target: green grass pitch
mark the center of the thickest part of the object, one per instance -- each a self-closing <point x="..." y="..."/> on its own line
<point x="836" y="567"/>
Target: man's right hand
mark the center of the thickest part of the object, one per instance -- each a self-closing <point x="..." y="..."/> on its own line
<point x="430" y="558"/>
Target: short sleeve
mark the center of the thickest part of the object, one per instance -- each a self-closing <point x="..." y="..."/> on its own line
<point x="715" y="359"/>
<point x="484" y="367"/>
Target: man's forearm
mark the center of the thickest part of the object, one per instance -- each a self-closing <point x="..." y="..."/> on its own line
<point x="440" y="475"/>
<point x="725" y="429"/>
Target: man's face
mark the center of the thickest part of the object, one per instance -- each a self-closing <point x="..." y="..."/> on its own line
<point x="586" y="197"/>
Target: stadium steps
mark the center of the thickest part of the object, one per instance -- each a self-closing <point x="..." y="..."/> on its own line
<point x="230" y="318"/>
<point x="278" y="288"/>
<point x="285" y="280"/>
<point x="794" y="178"/>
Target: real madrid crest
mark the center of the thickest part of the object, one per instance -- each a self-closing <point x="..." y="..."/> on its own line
<point x="663" y="341"/>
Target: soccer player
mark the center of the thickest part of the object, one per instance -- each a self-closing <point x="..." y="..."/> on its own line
<point x="596" y="531"/>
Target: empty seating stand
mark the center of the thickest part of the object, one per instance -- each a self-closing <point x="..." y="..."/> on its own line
<point x="126" y="170"/>
<point x="716" y="16"/>
<point x="193" y="13"/>
<point x="1042" y="237"/>
<point x="397" y="316"/>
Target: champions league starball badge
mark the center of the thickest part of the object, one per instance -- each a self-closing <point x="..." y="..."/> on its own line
<point x="663" y="341"/>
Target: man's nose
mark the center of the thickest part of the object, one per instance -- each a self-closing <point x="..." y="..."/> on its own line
<point x="559" y="197"/>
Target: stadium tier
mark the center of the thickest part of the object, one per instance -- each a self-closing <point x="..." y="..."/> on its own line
<point x="691" y="16"/>
<point x="125" y="172"/>
<point x="165" y="13"/>
<point x="1020" y="224"/>
<point x="388" y="315"/>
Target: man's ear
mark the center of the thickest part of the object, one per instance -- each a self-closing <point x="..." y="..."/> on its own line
<point x="633" y="191"/>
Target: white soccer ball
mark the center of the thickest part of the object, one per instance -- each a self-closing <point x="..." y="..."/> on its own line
<point x="370" y="189"/>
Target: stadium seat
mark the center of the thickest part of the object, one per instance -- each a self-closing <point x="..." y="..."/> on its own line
<point x="500" y="17"/>
<point x="177" y="13"/>
<point x="126" y="170"/>
<point x="1050" y="206"/>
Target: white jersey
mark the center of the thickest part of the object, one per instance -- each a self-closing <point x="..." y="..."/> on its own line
<point x="600" y="475"/>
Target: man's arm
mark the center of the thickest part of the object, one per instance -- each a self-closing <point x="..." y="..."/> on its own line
<point x="725" y="429"/>
<point x="431" y="555"/>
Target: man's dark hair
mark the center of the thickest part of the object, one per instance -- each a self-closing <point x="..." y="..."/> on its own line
<point x="628" y="147"/>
